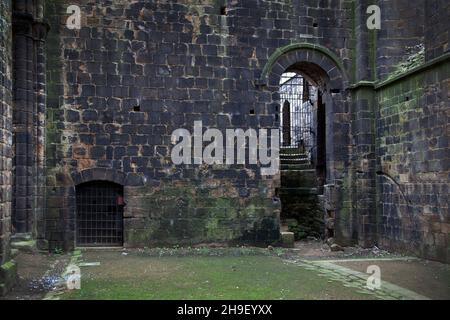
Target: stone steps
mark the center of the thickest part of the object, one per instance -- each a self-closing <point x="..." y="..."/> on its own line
<point x="298" y="178"/>
<point x="295" y="167"/>
<point x="21" y="237"/>
<point x="299" y="197"/>
<point x="295" y="161"/>
<point x="287" y="151"/>
<point x="300" y="156"/>
<point x="23" y="242"/>
<point x="301" y="191"/>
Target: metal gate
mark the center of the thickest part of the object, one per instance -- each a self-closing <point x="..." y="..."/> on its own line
<point x="99" y="214"/>
<point x="296" y="123"/>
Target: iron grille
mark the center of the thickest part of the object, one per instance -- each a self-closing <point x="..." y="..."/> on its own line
<point x="99" y="214"/>
<point x="297" y="109"/>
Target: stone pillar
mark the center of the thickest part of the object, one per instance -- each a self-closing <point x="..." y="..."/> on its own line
<point x="40" y="30"/>
<point x="28" y="116"/>
<point x="364" y="165"/>
<point x="23" y="137"/>
<point x="363" y="196"/>
<point x="7" y="266"/>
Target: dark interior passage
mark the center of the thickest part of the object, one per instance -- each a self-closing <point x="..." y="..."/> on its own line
<point x="99" y="214"/>
<point x="302" y="157"/>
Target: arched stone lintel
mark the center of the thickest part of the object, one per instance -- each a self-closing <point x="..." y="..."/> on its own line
<point x="106" y="174"/>
<point x="285" y="57"/>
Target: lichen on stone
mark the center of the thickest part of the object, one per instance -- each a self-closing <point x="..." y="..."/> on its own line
<point x="415" y="58"/>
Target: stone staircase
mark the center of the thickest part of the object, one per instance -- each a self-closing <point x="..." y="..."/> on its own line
<point x="22" y="242"/>
<point x="292" y="159"/>
<point x="300" y="196"/>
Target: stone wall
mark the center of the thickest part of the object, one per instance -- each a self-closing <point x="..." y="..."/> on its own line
<point x="436" y="28"/>
<point x="412" y="142"/>
<point x="414" y="162"/>
<point x="7" y="267"/>
<point x="401" y="34"/>
<point x="135" y="72"/>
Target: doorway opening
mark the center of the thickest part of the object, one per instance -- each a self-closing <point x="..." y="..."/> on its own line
<point x="297" y="96"/>
<point x="302" y="155"/>
<point x="99" y="221"/>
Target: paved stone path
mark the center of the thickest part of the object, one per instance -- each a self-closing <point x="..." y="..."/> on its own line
<point x="358" y="280"/>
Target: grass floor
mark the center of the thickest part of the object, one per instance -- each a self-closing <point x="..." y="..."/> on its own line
<point x="227" y="277"/>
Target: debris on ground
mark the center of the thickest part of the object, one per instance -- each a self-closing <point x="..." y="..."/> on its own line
<point x="335" y="247"/>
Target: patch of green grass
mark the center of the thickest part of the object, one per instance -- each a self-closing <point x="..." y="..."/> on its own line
<point x="225" y="277"/>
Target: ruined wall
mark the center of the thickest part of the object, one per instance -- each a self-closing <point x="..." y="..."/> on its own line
<point x="7" y="267"/>
<point x="401" y="34"/>
<point x="413" y="147"/>
<point x="135" y="72"/>
<point x="437" y="33"/>
<point x="414" y="164"/>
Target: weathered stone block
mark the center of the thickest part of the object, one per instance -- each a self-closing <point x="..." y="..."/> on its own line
<point x="287" y="239"/>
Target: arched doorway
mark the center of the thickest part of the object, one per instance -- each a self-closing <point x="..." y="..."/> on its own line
<point x="99" y="219"/>
<point x="325" y="70"/>
<point x="302" y="116"/>
<point x="302" y="154"/>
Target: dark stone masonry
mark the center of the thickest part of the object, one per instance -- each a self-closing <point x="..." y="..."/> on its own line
<point x="100" y="103"/>
<point x="7" y="267"/>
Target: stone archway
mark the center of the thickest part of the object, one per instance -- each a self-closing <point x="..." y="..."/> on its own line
<point x="324" y="70"/>
<point x="87" y="176"/>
